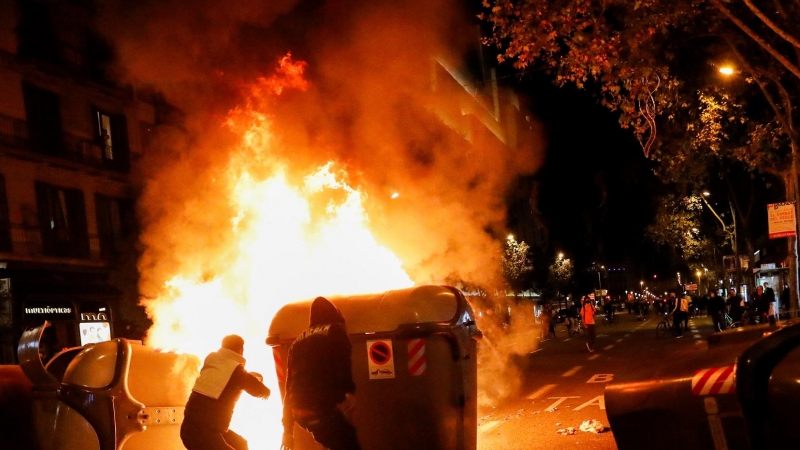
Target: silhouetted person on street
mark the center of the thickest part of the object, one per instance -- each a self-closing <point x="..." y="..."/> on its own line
<point x="208" y="412"/>
<point x="587" y="316"/>
<point x="319" y="394"/>
<point x="716" y="309"/>
<point x="735" y="305"/>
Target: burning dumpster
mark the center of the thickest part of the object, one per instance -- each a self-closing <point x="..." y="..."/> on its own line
<point x="112" y="395"/>
<point x="414" y="366"/>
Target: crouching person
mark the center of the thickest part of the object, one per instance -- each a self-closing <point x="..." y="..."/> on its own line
<point x="208" y="412"/>
<point x="319" y="382"/>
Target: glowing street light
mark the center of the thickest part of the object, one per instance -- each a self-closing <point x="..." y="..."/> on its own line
<point x="726" y="70"/>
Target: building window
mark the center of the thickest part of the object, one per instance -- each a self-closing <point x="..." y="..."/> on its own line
<point x="62" y="221"/>
<point x="116" y="223"/>
<point x="43" y="111"/>
<point x="111" y="134"/>
<point x="5" y="223"/>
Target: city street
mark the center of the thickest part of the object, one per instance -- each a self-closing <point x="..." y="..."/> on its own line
<point x="564" y="383"/>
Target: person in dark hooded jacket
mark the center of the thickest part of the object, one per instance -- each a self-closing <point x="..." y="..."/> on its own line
<point x="319" y="393"/>
<point x="209" y="410"/>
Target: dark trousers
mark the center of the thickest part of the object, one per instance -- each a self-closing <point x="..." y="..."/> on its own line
<point x="716" y="317"/>
<point x="679" y="318"/>
<point x="331" y="430"/>
<point x="590" y="335"/>
<point x="199" y="437"/>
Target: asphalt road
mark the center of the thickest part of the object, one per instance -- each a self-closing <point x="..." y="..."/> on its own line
<point x="563" y="383"/>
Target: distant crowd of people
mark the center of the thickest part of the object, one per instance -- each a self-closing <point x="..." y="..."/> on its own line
<point x="725" y="310"/>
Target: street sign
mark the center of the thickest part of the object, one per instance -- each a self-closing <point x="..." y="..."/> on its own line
<point x="781" y="220"/>
<point x="691" y="287"/>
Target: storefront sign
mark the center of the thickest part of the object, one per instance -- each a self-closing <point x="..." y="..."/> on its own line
<point x="38" y="311"/>
<point x="781" y="219"/>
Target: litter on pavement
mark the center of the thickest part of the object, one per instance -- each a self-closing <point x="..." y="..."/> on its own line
<point x="592" y="426"/>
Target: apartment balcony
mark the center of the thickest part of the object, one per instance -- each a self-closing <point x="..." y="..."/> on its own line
<point x="14" y="135"/>
<point x="26" y="245"/>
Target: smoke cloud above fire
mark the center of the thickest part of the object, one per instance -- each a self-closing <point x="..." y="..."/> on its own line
<point x="376" y="101"/>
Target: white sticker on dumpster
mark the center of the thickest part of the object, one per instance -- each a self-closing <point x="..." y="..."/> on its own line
<point x="381" y="359"/>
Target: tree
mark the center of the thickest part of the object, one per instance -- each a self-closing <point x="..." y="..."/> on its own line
<point x="560" y="274"/>
<point x="678" y="229"/>
<point x="516" y="264"/>
<point x="641" y="58"/>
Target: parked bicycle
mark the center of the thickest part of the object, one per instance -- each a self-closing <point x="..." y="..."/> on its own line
<point x="664" y="326"/>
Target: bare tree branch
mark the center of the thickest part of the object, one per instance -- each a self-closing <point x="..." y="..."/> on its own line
<point x="755" y="37"/>
<point x="772" y="25"/>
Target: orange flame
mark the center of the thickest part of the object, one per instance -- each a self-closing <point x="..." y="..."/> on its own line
<point x="290" y="241"/>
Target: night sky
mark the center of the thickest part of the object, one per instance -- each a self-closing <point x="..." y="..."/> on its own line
<point x="596" y="187"/>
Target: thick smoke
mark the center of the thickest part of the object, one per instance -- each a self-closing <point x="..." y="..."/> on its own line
<point x="375" y="104"/>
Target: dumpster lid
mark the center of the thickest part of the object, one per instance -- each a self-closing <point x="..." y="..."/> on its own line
<point x="31" y="362"/>
<point x="381" y="312"/>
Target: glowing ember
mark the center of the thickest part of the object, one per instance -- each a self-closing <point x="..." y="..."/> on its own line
<point x="290" y="241"/>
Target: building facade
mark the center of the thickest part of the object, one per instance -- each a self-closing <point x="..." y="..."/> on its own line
<point x="69" y="141"/>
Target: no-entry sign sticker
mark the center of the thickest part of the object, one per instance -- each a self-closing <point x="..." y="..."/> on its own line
<point x="380" y="358"/>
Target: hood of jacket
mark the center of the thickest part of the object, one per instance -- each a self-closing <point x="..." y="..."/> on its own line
<point x="323" y="312"/>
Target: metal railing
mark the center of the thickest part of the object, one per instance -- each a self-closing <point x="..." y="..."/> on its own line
<point x="82" y="150"/>
<point x="26" y="241"/>
<point x="14" y="133"/>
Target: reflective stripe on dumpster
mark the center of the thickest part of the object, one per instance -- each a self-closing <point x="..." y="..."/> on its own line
<point x="719" y="380"/>
<point x="416" y="357"/>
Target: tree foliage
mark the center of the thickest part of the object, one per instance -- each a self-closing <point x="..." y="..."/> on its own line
<point x="516" y="263"/>
<point x="560" y="273"/>
<point x="678" y="227"/>
<point x="653" y="62"/>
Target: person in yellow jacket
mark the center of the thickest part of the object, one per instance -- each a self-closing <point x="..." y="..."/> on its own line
<point x="208" y="412"/>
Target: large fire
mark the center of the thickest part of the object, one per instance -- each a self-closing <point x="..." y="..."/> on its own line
<point x="292" y="239"/>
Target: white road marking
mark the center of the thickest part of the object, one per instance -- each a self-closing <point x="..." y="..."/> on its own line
<point x="572" y="371"/>
<point x="488" y="426"/>
<point x="600" y="401"/>
<point x="541" y="391"/>
<point x="619" y="340"/>
<point x="608" y="347"/>
<point x="601" y="378"/>
<point x="595" y="356"/>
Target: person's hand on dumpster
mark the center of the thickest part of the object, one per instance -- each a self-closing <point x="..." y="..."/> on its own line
<point x="348" y="405"/>
<point x="288" y="441"/>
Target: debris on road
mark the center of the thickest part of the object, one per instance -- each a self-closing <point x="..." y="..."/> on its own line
<point x="553" y="409"/>
<point x="592" y="426"/>
<point x="567" y="431"/>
